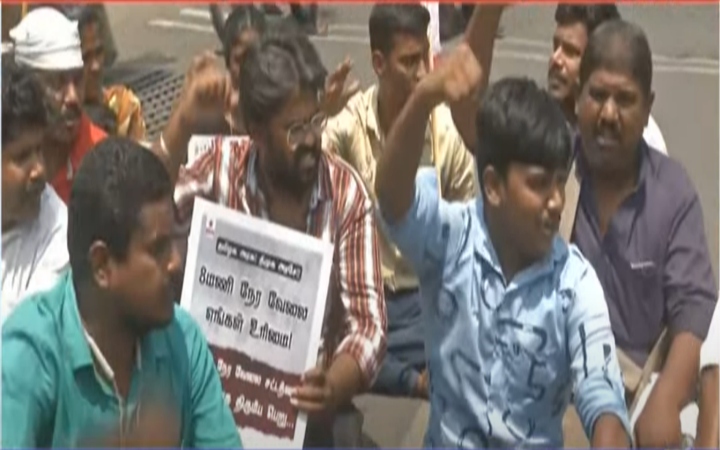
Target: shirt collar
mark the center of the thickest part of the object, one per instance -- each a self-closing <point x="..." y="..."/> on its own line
<point x="372" y="117"/>
<point x="322" y="189"/>
<point x="75" y="340"/>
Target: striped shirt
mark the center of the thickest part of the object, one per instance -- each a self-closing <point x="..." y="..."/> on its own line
<point x="340" y="212"/>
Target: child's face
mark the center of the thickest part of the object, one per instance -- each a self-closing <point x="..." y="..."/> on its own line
<point x="529" y="201"/>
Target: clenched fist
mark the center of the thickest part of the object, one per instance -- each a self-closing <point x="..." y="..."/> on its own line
<point x="455" y="79"/>
<point x="207" y="92"/>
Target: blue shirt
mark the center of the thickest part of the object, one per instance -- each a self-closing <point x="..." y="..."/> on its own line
<point x="52" y="396"/>
<point x="504" y="357"/>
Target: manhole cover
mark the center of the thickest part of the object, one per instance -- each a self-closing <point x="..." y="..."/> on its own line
<point x="157" y="90"/>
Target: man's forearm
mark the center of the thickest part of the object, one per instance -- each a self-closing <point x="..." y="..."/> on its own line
<point x="677" y="381"/>
<point x="398" y="165"/>
<point x="346" y="379"/>
<point x="175" y="136"/>
<point x="708" y="430"/>
<point x="608" y="432"/>
<point x="480" y="37"/>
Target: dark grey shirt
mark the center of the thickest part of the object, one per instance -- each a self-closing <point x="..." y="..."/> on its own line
<point x="653" y="262"/>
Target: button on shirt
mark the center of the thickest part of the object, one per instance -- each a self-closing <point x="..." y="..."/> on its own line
<point x="504" y="357"/>
<point x="653" y="261"/>
<point x="52" y="395"/>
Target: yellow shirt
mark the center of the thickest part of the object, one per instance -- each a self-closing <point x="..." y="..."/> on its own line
<point x="355" y="134"/>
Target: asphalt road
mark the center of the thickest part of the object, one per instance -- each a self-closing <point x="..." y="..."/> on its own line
<point x="684" y="40"/>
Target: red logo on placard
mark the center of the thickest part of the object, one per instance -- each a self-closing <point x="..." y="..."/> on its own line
<point x="210" y="227"/>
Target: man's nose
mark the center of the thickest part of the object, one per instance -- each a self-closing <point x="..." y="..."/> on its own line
<point x="37" y="172"/>
<point x="556" y="59"/>
<point x="71" y="94"/>
<point x="609" y="111"/>
<point x="173" y="266"/>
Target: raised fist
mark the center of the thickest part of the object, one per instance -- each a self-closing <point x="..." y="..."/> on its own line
<point x="207" y="91"/>
<point x="455" y="79"/>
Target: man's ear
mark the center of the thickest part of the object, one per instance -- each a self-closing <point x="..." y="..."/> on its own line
<point x="492" y="185"/>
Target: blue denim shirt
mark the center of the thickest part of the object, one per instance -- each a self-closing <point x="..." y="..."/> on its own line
<point x="504" y="357"/>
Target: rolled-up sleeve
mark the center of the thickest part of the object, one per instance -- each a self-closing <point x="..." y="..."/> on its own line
<point x="431" y="228"/>
<point x="597" y="380"/>
<point x="688" y="280"/>
<point x="361" y="289"/>
<point x="710" y="352"/>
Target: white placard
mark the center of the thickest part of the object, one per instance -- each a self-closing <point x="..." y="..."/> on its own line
<point x="258" y="291"/>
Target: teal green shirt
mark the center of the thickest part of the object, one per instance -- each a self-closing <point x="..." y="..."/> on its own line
<point x="52" y="395"/>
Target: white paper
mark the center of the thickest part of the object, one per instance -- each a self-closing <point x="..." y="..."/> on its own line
<point x="237" y="267"/>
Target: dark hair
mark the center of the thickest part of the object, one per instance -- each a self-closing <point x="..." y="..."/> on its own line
<point x="23" y="101"/>
<point x="591" y="16"/>
<point x="619" y="45"/>
<point x="242" y="18"/>
<point x="113" y="184"/>
<point x="88" y="16"/>
<point x="283" y="61"/>
<point x="388" y="20"/>
<point x="518" y="122"/>
<point x="102" y="116"/>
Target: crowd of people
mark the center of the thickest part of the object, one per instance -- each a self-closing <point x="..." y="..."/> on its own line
<point x="527" y="259"/>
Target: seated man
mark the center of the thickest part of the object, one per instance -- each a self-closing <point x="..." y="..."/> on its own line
<point x="120" y="99"/>
<point x="708" y="429"/>
<point x="399" y="45"/>
<point x="34" y="219"/>
<point x="515" y="318"/>
<point x="281" y="173"/>
<point x="46" y="42"/>
<point x="105" y="357"/>
<point x="640" y="223"/>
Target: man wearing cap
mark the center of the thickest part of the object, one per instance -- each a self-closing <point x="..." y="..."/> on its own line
<point x="49" y="43"/>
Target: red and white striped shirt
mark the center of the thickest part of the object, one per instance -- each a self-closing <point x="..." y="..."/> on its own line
<point x="340" y="212"/>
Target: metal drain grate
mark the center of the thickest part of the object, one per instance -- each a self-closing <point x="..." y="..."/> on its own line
<point x="157" y="90"/>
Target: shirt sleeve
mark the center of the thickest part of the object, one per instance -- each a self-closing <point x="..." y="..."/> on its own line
<point x="688" y="280"/>
<point x="27" y="391"/>
<point x="197" y="179"/>
<point x="461" y="182"/>
<point x="597" y="381"/>
<point x="212" y="422"/>
<point x="361" y="288"/>
<point x="432" y="228"/>
<point x="710" y="351"/>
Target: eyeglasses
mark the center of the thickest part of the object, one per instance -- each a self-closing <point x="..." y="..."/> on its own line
<point x="297" y="132"/>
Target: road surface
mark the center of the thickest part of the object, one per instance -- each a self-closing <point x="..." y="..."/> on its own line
<point x="684" y="40"/>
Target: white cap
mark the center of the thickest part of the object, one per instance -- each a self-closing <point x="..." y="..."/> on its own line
<point x="47" y="40"/>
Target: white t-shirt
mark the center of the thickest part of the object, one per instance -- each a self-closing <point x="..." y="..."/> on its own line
<point x="34" y="254"/>
<point x="710" y="351"/>
<point x="653" y="136"/>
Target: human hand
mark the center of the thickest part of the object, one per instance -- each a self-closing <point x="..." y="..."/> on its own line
<point x="454" y="80"/>
<point x="316" y="395"/>
<point x="207" y="91"/>
<point x="336" y="93"/>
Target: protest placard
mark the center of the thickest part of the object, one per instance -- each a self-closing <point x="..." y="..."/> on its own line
<point x="258" y="292"/>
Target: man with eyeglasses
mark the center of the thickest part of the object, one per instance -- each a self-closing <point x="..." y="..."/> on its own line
<point x="281" y="173"/>
<point x="49" y="44"/>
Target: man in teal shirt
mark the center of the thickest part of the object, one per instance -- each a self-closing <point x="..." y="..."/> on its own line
<point x="105" y="355"/>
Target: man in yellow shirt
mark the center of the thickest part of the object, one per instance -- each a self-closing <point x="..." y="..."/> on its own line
<point x="400" y="57"/>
